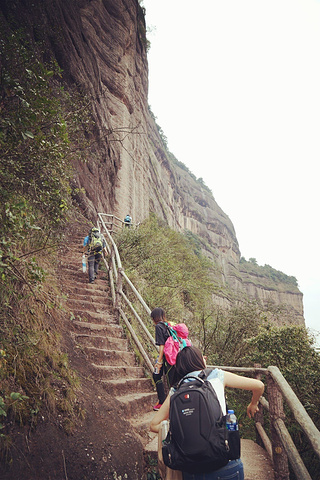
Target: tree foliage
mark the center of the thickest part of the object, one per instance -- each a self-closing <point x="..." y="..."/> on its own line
<point x="169" y="271"/>
<point x="291" y="349"/>
<point x="166" y="267"/>
<point x="267" y="271"/>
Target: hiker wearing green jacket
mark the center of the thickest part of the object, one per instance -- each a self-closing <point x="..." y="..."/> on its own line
<point x="93" y="245"/>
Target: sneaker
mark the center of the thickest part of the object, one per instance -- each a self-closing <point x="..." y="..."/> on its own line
<point x="157" y="407"/>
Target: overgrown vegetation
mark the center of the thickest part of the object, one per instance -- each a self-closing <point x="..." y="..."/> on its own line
<point x="267" y="271"/>
<point x="167" y="268"/>
<point x="291" y="349"/>
<point x="38" y="125"/>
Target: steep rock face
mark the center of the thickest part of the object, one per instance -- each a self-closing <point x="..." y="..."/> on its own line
<point x="101" y="46"/>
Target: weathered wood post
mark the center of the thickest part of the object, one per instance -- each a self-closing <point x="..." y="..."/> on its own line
<point x="280" y="459"/>
<point x="112" y="271"/>
<point x="259" y="417"/>
<point x="118" y="292"/>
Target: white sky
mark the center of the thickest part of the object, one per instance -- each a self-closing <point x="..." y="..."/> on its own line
<point x="235" y="86"/>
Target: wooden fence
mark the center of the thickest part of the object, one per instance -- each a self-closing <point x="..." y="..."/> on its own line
<point x="128" y="302"/>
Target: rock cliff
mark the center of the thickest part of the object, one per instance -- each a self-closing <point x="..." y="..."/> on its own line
<point x="101" y="46"/>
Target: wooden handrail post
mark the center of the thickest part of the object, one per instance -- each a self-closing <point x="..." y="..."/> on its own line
<point x="259" y="415"/>
<point x="111" y="256"/>
<point x="118" y="292"/>
<point x="280" y="459"/>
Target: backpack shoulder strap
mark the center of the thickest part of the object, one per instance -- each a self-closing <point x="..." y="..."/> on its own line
<point x="193" y="377"/>
<point x="171" y="330"/>
<point x="205" y="373"/>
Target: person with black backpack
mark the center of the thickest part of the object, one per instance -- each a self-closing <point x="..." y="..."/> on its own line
<point x="93" y="245"/>
<point x="199" y="443"/>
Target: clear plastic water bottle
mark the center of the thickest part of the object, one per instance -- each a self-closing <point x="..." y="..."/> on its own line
<point x="157" y="367"/>
<point x="84" y="264"/>
<point x="231" y="421"/>
<point x="164" y="429"/>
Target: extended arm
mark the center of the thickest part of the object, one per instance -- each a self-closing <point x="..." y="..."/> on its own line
<point x="256" y="386"/>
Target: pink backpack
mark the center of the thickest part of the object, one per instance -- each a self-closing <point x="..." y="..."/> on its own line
<point x="177" y="341"/>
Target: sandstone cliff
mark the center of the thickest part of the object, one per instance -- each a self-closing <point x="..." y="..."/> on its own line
<point x="102" y="48"/>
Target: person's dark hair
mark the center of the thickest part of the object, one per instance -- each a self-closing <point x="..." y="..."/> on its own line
<point x="158" y="315"/>
<point x="188" y="360"/>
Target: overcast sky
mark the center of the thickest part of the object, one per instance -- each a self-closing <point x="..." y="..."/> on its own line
<point x="235" y="86"/>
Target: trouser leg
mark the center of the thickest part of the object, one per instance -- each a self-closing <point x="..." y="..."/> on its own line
<point x="169" y="371"/>
<point x="97" y="259"/>
<point x="91" y="265"/>
<point x="157" y="378"/>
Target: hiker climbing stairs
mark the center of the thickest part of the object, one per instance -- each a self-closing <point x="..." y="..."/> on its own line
<point x="98" y="334"/>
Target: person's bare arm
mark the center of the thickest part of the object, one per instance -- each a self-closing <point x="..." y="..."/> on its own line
<point x="256" y="386"/>
<point x="162" y="414"/>
<point x="160" y="358"/>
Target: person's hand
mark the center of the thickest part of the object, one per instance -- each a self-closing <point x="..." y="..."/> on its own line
<point x="252" y="409"/>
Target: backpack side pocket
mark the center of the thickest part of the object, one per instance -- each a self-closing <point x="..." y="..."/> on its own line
<point x="234" y="444"/>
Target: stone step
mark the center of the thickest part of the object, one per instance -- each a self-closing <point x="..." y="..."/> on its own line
<point x="102" y="307"/>
<point x="80" y="276"/>
<point x="83" y="278"/>
<point x="126" y="386"/>
<point x="89" y="305"/>
<point x="96" y="298"/>
<point x="116" y="372"/>
<point x="141" y="424"/>
<point x="105" y="357"/>
<point x="94" y="317"/>
<point x="135" y="404"/>
<point x="152" y="446"/>
<point x="109" y="330"/>
<point x="256" y="462"/>
<point x="89" y="289"/>
<point x="99" y="341"/>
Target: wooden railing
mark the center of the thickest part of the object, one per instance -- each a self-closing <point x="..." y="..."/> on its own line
<point x="121" y="289"/>
<point x="280" y="446"/>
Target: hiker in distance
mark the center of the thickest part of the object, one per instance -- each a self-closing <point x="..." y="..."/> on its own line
<point x="190" y="361"/>
<point x="162" y="367"/>
<point x="127" y="221"/>
<point x="93" y="245"/>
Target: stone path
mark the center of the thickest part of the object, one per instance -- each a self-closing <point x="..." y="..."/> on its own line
<point x="256" y="462"/>
<point x="97" y="332"/>
<point x="100" y="336"/>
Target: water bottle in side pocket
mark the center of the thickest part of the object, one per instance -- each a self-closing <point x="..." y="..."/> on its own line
<point x="84" y="263"/>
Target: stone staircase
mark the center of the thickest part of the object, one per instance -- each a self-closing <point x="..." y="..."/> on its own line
<point x="99" y="335"/>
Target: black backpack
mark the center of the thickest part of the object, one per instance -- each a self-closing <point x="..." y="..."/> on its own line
<point x="198" y="440"/>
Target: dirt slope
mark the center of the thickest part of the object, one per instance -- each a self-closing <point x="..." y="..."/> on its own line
<point x="114" y="392"/>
